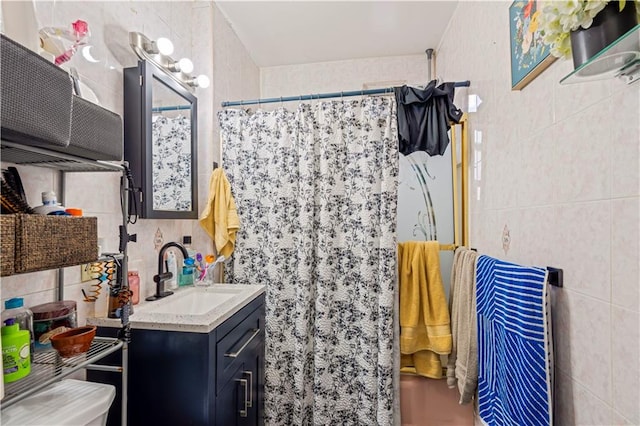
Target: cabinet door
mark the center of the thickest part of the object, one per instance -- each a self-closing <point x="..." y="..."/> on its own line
<point x="255" y="373"/>
<point x="233" y="401"/>
<point x="240" y="402"/>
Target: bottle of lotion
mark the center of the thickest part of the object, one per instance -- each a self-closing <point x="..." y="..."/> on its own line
<point x="172" y="266"/>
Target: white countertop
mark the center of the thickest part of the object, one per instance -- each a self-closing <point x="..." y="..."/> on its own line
<point x="173" y="313"/>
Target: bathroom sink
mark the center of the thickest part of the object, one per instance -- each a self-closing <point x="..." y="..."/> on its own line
<point x="191" y="309"/>
<point x="193" y="301"/>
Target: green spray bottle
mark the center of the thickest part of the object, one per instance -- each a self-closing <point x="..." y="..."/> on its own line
<point x="16" y="358"/>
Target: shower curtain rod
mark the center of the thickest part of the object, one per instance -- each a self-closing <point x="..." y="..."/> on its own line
<point x="171" y="108"/>
<point x="466" y="83"/>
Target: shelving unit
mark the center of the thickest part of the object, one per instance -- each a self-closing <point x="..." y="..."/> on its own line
<point x="39" y="157"/>
<point x="624" y="54"/>
<point x="49" y="367"/>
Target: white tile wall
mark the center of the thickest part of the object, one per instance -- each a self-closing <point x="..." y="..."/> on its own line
<point x="561" y="167"/>
<point x="190" y="25"/>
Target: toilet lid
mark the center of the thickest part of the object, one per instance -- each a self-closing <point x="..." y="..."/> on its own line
<point x="68" y="402"/>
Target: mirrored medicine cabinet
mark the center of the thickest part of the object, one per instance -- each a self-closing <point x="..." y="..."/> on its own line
<point x="160" y="123"/>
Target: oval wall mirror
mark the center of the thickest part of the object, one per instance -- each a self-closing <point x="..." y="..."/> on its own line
<point x="160" y="118"/>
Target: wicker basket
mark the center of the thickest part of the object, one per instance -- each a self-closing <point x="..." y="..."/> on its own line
<point x="7" y="244"/>
<point x="48" y="242"/>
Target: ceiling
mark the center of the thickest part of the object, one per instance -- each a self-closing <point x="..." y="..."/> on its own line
<point x="296" y="32"/>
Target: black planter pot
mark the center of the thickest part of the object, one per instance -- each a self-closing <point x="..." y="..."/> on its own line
<point x="607" y="27"/>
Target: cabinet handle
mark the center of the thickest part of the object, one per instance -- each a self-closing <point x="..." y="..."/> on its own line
<point x="243" y="382"/>
<point x="239" y="351"/>
<point x="250" y="374"/>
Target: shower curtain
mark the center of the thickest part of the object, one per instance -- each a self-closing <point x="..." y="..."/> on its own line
<point x="316" y="191"/>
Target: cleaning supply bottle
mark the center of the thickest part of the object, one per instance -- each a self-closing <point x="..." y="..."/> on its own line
<point x="172" y="266"/>
<point x="50" y="204"/>
<point x="14" y="308"/>
<point x="16" y="358"/>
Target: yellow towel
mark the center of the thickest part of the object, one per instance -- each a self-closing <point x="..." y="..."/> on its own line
<point x="425" y="330"/>
<point x="220" y="217"/>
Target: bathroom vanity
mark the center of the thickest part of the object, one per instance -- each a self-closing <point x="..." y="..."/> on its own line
<point x="195" y="358"/>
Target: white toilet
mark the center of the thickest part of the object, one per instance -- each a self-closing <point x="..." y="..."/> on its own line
<point x="68" y="402"/>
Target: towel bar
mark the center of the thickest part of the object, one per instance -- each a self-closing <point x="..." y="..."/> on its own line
<point x="555" y="276"/>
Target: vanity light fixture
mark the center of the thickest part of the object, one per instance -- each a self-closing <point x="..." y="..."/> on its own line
<point x="186" y="65"/>
<point x="164" y="45"/>
<point x="158" y="52"/>
<point x="200" y="81"/>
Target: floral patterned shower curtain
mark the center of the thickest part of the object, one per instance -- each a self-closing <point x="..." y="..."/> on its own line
<point x="316" y="191"/>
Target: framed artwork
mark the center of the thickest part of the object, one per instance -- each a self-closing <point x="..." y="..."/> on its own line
<point x="529" y="55"/>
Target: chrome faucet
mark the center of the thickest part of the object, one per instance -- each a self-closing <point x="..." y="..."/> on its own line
<point x="164" y="276"/>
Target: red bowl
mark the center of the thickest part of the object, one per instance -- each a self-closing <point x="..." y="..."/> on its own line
<point x="75" y="341"/>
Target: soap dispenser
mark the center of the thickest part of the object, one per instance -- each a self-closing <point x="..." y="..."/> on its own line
<point x="172" y="266"/>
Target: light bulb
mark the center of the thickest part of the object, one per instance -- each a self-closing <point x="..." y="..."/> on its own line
<point x="165" y="46"/>
<point x="203" y="81"/>
<point x="186" y="66"/>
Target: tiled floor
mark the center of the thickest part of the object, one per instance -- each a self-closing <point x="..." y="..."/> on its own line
<point x="429" y="402"/>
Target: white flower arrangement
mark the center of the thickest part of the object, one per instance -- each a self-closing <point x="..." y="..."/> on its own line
<point x="559" y="18"/>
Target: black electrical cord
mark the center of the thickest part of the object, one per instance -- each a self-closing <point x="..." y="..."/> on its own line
<point x="131" y="217"/>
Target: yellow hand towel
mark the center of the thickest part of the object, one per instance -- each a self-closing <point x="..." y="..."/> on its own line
<point x="220" y="217"/>
<point x="425" y="331"/>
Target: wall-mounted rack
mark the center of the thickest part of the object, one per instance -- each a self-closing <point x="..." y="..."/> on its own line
<point x="621" y="59"/>
<point x="48" y="367"/>
<point x="27" y="155"/>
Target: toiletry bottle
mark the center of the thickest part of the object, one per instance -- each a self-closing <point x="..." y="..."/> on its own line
<point x="172" y="266"/>
<point x="186" y="277"/>
<point x="49" y="204"/>
<point x="14" y="308"/>
<point x="16" y="358"/>
<point x="186" y="242"/>
<point x="134" y="286"/>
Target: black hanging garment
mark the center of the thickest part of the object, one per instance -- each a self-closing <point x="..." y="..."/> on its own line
<point x="424" y="117"/>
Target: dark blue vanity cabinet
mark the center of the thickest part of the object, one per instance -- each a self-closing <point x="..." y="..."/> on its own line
<point x="186" y="378"/>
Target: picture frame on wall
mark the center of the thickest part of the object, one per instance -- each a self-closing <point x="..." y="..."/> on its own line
<point x="529" y="55"/>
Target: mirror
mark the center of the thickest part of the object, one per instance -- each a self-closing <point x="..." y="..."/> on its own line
<point x="160" y="117"/>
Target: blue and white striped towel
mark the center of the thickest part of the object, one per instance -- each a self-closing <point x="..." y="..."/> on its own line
<point x="514" y="352"/>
